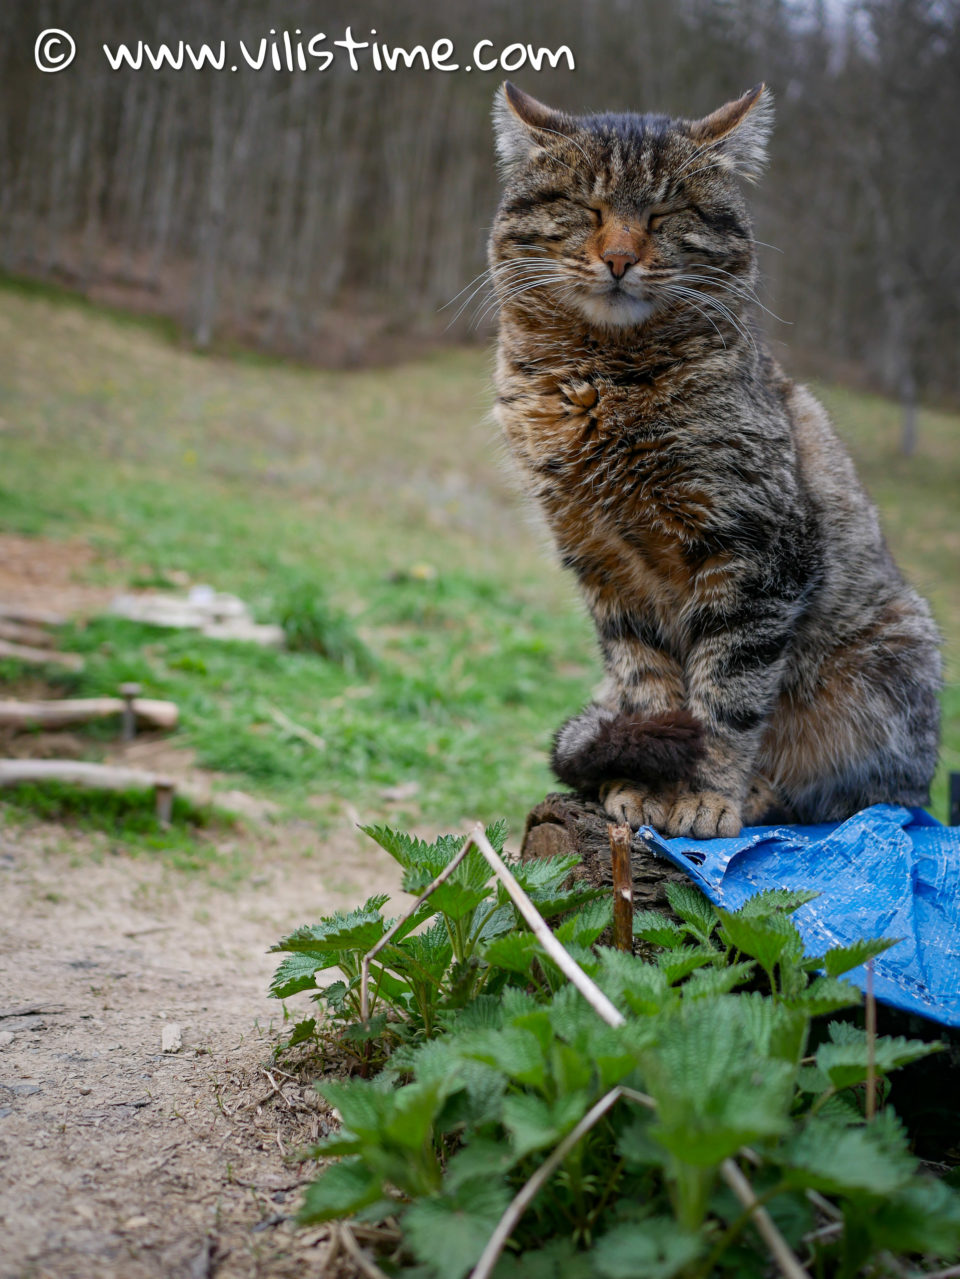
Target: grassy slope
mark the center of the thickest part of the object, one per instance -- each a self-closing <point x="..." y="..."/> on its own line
<point x="257" y="477"/>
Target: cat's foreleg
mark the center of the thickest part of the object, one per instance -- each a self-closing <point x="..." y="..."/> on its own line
<point x="634" y="746"/>
<point x="733" y="677"/>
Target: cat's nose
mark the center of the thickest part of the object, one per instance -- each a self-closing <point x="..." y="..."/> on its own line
<point x="618" y="261"/>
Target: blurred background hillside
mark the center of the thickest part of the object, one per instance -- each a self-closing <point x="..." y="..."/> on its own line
<point x="268" y="221"/>
<point x="331" y="216"/>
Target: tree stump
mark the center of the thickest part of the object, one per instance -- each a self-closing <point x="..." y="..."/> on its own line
<point x="567" y="824"/>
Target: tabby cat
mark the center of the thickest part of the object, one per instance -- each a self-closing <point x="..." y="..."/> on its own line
<point x="764" y="658"/>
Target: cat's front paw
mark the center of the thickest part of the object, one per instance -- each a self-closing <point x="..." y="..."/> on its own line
<point x="625" y="802"/>
<point x="704" y="815"/>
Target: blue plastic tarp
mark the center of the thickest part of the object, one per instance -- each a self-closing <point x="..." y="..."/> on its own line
<point x="886" y="872"/>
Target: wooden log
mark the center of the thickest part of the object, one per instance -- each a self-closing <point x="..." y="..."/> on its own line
<point x="21" y="634"/>
<point x="40" y="656"/>
<point x="82" y="710"/>
<point x="72" y="772"/>
<point x="568" y="824"/>
<point x="31" y="616"/>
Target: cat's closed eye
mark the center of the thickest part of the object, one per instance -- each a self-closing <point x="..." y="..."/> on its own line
<point x="656" y="220"/>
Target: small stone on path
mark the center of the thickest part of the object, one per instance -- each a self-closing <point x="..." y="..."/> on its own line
<point x="171" y="1040"/>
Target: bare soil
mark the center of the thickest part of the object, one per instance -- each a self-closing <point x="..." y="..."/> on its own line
<point x="36" y="572"/>
<point x="120" y="1160"/>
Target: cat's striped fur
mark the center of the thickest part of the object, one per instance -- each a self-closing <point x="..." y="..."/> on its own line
<point x="764" y="656"/>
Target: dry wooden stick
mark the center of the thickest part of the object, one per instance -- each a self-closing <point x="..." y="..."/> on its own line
<point x="31" y="616"/>
<point x="790" y="1267"/>
<point x="19" y="633"/>
<point x="297" y="730"/>
<point x="81" y="710"/>
<point x="528" y="1192"/>
<point x="620" y="837"/>
<point x="356" y="1253"/>
<point x="40" y="656"/>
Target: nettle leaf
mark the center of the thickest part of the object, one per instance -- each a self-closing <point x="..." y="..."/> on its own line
<point x="657" y="1248"/>
<point x="769" y="939"/>
<point x="677" y="964"/>
<point x="870" y="1159"/>
<point x="714" y="1091"/>
<point x="514" y="1051"/>
<point x="544" y="874"/>
<point x="844" y="1060"/>
<point x="357" y="930"/>
<point x="363" y="1107"/>
<point x="302" y="1031"/>
<point x="361" y="1032"/>
<point x="339" y="1191"/>
<point x="659" y="930"/>
<point x="841" y="959"/>
<point x="693" y="908"/>
<point x="922" y="1217"/>
<point x="425" y="955"/>
<point x="632" y="983"/>
<point x="482" y="1158"/>
<point x="449" y="1232"/>
<point x="515" y="952"/>
<point x="772" y="901"/>
<point x="553" y="903"/>
<point x="557" y="1260"/>
<point x="483" y="1012"/>
<point x="826" y="995"/>
<point x="502" y="920"/>
<point x="705" y="983"/>
<point x="296" y="973"/>
<point x="584" y="927"/>
<point x="534" y="1123"/>
<point x="403" y="848"/>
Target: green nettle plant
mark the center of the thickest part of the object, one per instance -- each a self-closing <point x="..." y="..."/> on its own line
<point x="724" y="1112"/>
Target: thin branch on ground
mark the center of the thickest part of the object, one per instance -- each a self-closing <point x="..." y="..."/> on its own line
<point x="356" y="1253"/>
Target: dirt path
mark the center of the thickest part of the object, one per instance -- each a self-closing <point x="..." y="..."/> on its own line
<point x="119" y="1160"/>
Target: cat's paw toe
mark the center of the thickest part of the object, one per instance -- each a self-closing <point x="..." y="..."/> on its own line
<point x="627" y="803"/>
<point x="704" y="815"/>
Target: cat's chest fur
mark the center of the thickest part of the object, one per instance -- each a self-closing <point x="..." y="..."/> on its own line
<point x="630" y="502"/>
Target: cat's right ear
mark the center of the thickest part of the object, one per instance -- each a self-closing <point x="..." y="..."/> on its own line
<point x="523" y="125"/>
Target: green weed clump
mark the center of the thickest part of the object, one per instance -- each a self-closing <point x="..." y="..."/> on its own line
<point x="312" y="625"/>
<point x="478" y="1059"/>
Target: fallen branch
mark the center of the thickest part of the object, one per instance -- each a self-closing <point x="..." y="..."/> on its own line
<point x="790" y="1267"/>
<point x="40" y="656"/>
<point x="295" y="729"/>
<point x="356" y="1253"/>
<point x="72" y="772"/>
<point x="31" y="616"/>
<point x="22" y="634"/>
<point x="82" y="710"/>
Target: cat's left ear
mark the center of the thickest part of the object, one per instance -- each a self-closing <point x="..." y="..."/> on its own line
<point x="523" y="125"/>
<point x="737" y="134"/>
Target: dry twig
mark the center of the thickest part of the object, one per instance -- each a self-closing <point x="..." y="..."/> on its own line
<point x="620" y="837"/>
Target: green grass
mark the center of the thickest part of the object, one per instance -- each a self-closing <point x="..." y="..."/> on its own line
<point x="368" y="511"/>
<point x="129" y="819"/>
